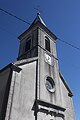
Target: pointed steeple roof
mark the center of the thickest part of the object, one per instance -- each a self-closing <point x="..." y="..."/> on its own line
<point x="39" y="22"/>
<point x="38" y="19"/>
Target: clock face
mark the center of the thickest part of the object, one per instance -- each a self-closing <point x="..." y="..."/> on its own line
<point x="50" y="85"/>
<point x="48" y="59"/>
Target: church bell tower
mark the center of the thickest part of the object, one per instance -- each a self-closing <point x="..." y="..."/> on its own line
<point x="38" y="90"/>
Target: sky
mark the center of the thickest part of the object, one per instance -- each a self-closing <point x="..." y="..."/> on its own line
<point x="62" y="17"/>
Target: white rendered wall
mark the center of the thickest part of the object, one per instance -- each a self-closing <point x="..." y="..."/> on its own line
<point x="22" y="94"/>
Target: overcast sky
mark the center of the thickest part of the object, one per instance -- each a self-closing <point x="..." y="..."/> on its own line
<point x="62" y="17"/>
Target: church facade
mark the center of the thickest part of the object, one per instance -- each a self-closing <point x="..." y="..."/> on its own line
<point x="33" y="88"/>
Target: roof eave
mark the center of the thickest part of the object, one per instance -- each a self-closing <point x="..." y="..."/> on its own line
<point x="12" y="67"/>
<point x="38" y="24"/>
<point x="66" y="85"/>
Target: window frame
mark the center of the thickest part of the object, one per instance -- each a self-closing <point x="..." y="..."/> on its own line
<point x="47" y="44"/>
<point x="28" y="44"/>
<point x="50" y="84"/>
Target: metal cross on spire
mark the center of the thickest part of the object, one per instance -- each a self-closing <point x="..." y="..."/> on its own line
<point x="38" y="9"/>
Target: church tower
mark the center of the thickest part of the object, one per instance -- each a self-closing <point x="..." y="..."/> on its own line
<point x="37" y="90"/>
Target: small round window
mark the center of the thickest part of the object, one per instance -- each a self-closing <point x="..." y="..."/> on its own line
<point x="50" y="85"/>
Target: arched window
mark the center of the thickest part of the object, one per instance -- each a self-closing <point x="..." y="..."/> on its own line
<point x="47" y="44"/>
<point x="28" y="44"/>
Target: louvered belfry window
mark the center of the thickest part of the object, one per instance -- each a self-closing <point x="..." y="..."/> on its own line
<point x="47" y="44"/>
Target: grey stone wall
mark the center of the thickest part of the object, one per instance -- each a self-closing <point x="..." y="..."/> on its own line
<point x="22" y="94"/>
<point x="67" y="103"/>
<point x="48" y="70"/>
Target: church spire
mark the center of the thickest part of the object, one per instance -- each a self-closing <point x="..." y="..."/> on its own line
<point x="38" y="18"/>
